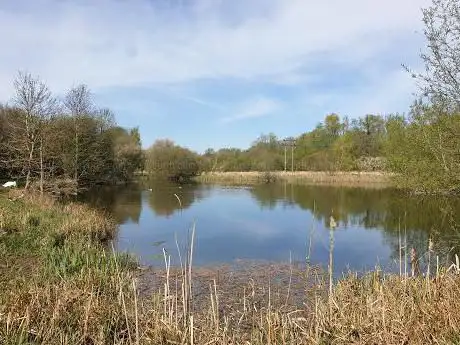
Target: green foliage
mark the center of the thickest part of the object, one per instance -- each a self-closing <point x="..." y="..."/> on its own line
<point x="332" y="125"/>
<point x="422" y="149"/>
<point x="368" y="135"/>
<point x="81" y="145"/>
<point x="332" y="145"/>
<point x="264" y="154"/>
<point x="229" y="160"/>
<point x="343" y="155"/>
<point x="168" y="160"/>
<point x="425" y="150"/>
<point x="57" y="277"/>
<point x="128" y="155"/>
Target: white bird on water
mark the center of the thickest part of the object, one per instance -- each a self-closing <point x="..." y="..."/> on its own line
<point x="9" y="184"/>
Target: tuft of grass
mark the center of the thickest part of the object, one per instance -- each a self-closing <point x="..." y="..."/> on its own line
<point x="80" y="220"/>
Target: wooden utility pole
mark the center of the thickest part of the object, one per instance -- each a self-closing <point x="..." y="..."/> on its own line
<point x="285" y="158"/>
<point x="289" y="142"/>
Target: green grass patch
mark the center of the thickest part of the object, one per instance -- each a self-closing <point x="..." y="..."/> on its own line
<point x="54" y="263"/>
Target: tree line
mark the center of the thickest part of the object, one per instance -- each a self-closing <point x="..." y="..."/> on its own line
<point x="57" y="145"/>
<point x="421" y="146"/>
<point x="335" y="144"/>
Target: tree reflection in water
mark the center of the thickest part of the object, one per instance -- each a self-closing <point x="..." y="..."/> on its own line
<point x="415" y="217"/>
<point x="397" y="216"/>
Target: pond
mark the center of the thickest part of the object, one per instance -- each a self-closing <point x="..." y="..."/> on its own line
<point x="280" y="223"/>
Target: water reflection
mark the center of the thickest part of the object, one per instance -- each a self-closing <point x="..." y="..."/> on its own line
<point x="165" y="199"/>
<point x="124" y="202"/>
<point x="272" y="222"/>
<point x="413" y="219"/>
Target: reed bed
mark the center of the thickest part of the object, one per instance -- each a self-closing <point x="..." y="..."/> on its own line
<point x="372" y="179"/>
<point x="77" y="291"/>
<point x="108" y="310"/>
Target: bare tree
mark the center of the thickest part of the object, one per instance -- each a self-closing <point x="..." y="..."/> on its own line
<point x="106" y="118"/>
<point x="440" y="81"/>
<point x="36" y="103"/>
<point x="78" y="102"/>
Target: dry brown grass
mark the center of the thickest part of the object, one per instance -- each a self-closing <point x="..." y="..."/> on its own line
<point x="372" y="179"/>
<point x="82" y="219"/>
<point x="374" y="309"/>
<point x="371" y="310"/>
<point x="20" y="210"/>
<point x="395" y="310"/>
<point x="81" y="310"/>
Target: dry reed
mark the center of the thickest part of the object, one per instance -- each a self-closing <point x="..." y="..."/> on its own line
<point x="343" y="178"/>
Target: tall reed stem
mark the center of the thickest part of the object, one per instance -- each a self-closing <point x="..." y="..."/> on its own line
<point x="332" y="226"/>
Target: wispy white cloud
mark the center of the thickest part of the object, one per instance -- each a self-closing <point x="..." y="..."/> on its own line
<point x="378" y="94"/>
<point x="389" y="93"/>
<point x="257" y="107"/>
<point x="204" y="102"/>
<point x="111" y="43"/>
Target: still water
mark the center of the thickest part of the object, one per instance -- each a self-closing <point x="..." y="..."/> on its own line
<point x="279" y="223"/>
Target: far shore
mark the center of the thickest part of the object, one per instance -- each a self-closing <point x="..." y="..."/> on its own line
<point x="342" y="178"/>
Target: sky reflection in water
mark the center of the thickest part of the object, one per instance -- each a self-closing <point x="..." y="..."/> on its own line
<point x="276" y="223"/>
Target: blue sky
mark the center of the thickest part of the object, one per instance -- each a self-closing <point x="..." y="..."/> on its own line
<point x="218" y="73"/>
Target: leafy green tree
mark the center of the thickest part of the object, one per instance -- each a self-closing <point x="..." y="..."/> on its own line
<point x="75" y="145"/>
<point x="128" y="155"/>
<point x="368" y="136"/>
<point x="265" y="154"/>
<point x="342" y="152"/>
<point x="396" y="141"/>
<point x="333" y="126"/>
<point x="167" y="160"/>
<point x="425" y="152"/>
<point x="136" y="136"/>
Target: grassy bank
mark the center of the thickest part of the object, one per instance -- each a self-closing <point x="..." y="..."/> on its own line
<point x="59" y="285"/>
<point x="308" y="177"/>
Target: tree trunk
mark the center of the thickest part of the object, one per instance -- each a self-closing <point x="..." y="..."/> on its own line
<point x="29" y="163"/>
<point x="41" y="166"/>
<point x="76" y="153"/>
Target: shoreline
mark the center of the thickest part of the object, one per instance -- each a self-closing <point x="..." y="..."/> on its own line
<point x="338" y="178"/>
<point x="231" y="282"/>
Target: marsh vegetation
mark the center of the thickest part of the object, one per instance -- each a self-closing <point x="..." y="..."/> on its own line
<point x="64" y="279"/>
